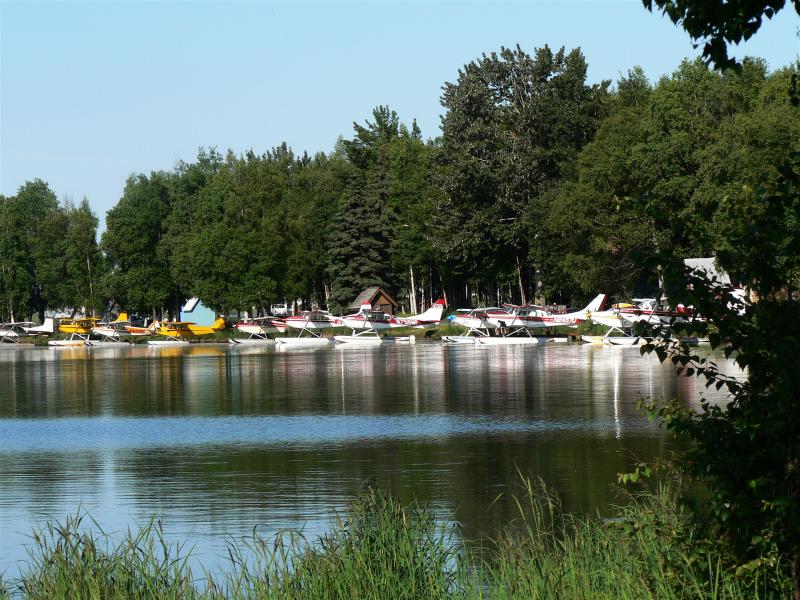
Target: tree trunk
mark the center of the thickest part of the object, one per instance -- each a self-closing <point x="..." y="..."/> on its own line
<point x="413" y="290"/>
<point x="430" y="286"/>
<point x="91" y="287"/>
<point x="523" y="299"/>
<point x="444" y="289"/>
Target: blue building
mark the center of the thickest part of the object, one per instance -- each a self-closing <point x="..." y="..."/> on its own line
<point x="196" y="312"/>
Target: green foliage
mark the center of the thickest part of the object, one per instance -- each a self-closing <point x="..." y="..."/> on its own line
<point x="49" y="254"/>
<point x="378" y="219"/>
<point x="513" y="127"/>
<point x="358" y="248"/>
<point x="16" y="262"/>
<point x="311" y="203"/>
<point x="138" y="278"/>
<point x="381" y="548"/>
<point x="719" y="22"/>
<point x="649" y="549"/>
<point x="671" y="171"/>
<point x="748" y="450"/>
<point x="82" y="258"/>
<point x="70" y="563"/>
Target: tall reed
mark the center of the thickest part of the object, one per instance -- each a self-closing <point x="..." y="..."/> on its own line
<point x="68" y="562"/>
<point x="649" y="550"/>
<point x="382" y="549"/>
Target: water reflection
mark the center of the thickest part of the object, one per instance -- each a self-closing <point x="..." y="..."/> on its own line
<point x="219" y="440"/>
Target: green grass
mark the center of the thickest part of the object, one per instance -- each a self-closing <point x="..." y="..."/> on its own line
<point x="590" y="328"/>
<point x="381" y="548"/>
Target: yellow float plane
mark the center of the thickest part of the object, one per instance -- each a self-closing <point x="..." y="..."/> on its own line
<point x="183" y="331"/>
<point x="80" y="326"/>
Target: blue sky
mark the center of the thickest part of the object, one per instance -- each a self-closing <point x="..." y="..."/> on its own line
<point x="94" y="91"/>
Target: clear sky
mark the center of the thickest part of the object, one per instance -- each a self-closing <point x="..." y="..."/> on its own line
<point x="94" y="91"/>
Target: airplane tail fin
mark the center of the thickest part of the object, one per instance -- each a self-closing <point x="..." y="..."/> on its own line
<point x="123" y="316"/>
<point x="597" y="304"/>
<point x="219" y="323"/>
<point x="49" y="326"/>
<point x="434" y="313"/>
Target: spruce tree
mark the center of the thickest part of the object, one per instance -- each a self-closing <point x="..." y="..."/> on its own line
<point x="359" y="246"/>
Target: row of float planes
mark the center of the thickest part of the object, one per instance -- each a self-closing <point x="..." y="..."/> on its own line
<point x="504" y="324"/>
<point x="91" y="331"/>
<point x="516" y="324"/>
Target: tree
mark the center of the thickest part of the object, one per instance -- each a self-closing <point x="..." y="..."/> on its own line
<point x="513" y="127"/>
<point x="232" y="258"/>
<point x="312" y="201"/>
<point x="595" y="240"/>
<point x="747" y="451"/>
<point x="139" y="277"/>
<point x="83" y="258"/>
<point x="16" y="264"/>
<point x="358" y="247"/>
<point x="364" y="227"/>
<point x="719" y="22"/>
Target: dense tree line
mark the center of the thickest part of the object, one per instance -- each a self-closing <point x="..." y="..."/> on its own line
<point x="541" y="187"/>
<point x="49" y="256"/>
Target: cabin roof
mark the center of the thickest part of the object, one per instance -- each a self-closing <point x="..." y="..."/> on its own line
<point x="710" y="267"/>
<point x="190" y="305"/>
<point x="368" y="297"/>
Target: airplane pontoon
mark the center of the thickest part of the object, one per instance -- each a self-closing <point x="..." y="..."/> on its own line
<point x="79" y="331"/>
<point x="515" y="323"/>
<point x="258" y="330"/>
<point x="368" y="322"/>
<point x="12" y="333"/>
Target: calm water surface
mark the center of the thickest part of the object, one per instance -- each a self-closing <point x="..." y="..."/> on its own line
<point x="218" y="441"/>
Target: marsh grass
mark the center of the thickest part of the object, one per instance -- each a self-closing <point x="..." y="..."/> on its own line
<point x="382" y="549"/>
<point x="68" y="562"/>
<point x="379" y="550"/>
<point x="650" y="549"/>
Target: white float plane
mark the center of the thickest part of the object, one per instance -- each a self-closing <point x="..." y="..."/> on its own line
<point x="536" y="317"/>
<point x="12" y="332"/>
<point x="516" y="323"/>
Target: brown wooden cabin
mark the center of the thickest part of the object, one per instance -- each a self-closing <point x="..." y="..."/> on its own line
<point x="376" y="297"/>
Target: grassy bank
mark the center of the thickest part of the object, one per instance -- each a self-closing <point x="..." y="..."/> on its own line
<point x="382" y="549"/>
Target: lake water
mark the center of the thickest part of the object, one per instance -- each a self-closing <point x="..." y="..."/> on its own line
<point x="218" y="441"/>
